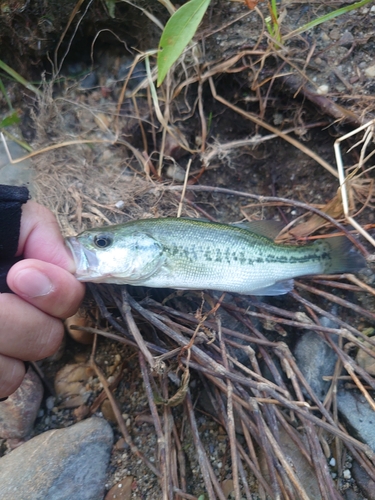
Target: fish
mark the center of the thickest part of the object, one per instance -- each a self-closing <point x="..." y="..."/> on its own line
<point x="194" y="254"/>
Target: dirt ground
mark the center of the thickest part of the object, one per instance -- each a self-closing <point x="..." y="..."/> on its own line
<point x="243" y="112"/>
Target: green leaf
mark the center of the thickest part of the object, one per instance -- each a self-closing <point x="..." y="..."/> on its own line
<point x="19" y="78"/>
<point x="9" y="120"/>
<point x="177" y="33"/>
<point x="5" y="94"/>
<point x="326" y="17"/>
<point x="111" y="7"/>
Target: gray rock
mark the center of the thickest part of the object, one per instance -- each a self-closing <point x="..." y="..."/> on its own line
<point x="316" y="360"/>
<point x="17" y="174"/>
<point x="138" y="74"/>
<point x="90" y="81"/>
<point x="364" y="481"/>
<point x="19" y="411"/>
<point x="305" y="473"/>
<point x="62" y="464"/>
<point x="358" y="415"/>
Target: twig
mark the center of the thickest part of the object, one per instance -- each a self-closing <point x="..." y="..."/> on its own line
<point x="231" y="427"/>
<point x="120" y="421"/>
<point x="164" y="470"/>
<point x="209" y="478"/>
<point x="184" y="189"/>
<point x="133" y="328"/>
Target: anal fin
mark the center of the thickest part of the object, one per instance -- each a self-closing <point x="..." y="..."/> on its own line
<point x="279" y="288"/>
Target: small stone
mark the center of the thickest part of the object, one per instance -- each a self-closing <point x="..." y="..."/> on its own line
<point x="346" y="474"/>
<point x="81" y="412"/>
<point x="70" y="384"/>
<point x="346" y="39"/>
<point x="89" y="81"/>
<point x="364" y="482"/>
<point x="50" y="402"/>
<point x="322" y="89"/>
<point x="19" y="411"/>
<point x="315" y="359"/>
<point x="107" y="410"/>
<point x="120" y="204"/>
<point x="121" y="445"/>
<point x="175" y="172"/>
<point x="122" y="490"/>
<point x="365" y="360"/>
<point x="335" y="34"/>
<point x="332" y="462"/>
<point x="138" y="74"/>
<point x="228" y="487"/>
<point x="82" y="319"/>
<point x="60" y="464"/>
<point x="370" y="71"/>
<point x="358" y="415"/>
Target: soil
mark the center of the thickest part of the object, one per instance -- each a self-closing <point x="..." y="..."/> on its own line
<point x="315" y="87"/>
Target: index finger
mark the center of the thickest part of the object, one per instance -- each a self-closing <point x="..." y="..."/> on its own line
<point x="40" y="237"/>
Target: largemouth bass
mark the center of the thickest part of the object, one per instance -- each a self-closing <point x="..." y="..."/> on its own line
<point x="193" y="254"/>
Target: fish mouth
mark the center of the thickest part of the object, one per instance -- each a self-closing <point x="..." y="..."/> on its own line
<point x="85" y="260"/>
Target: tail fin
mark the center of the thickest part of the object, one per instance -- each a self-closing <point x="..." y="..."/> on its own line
<point x="344" y="257"/>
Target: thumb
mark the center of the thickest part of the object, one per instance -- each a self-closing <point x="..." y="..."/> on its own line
<point x="48" y="287"/>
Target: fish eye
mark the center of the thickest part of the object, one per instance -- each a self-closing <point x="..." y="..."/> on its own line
<point x="103" y="241"/>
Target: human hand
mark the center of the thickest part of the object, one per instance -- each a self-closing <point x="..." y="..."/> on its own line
<point x="45" y="292"/>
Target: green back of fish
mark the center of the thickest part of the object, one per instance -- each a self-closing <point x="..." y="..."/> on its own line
<point x="203" y="254"/>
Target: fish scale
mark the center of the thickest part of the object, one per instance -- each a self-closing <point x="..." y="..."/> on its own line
<point x="194" y="254"/>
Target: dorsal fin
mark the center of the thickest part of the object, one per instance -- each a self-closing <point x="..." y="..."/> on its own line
<point x="268" y="228"/>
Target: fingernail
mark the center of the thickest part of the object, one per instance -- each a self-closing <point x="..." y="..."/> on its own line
<point x="32" y="283"/>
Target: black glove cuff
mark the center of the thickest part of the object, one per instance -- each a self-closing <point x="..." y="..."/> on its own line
<point x="11" y="200"/>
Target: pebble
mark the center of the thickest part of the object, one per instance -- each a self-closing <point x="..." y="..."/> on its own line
<point x="122" y="490"/>
<point x="19" y="411"/>
<point x="346" y="39"/>
<point x="358" y="415"/>
<point x="59" y="464"/>
<point x="365" y="360"/>
<point x="175" y="172"/>
<point x="370" y="71"/>
<point x="80" y="319"/>
<point x="346" y="474"/>
<point x="90" y="81"/>
<point x="316" y="360"/>
<point x="120" y="204"/>
<point x="71" y="384"/>
<point x="335" y="34"/>
<point x="322" y="89"/>
<point x="138" y="74"/>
